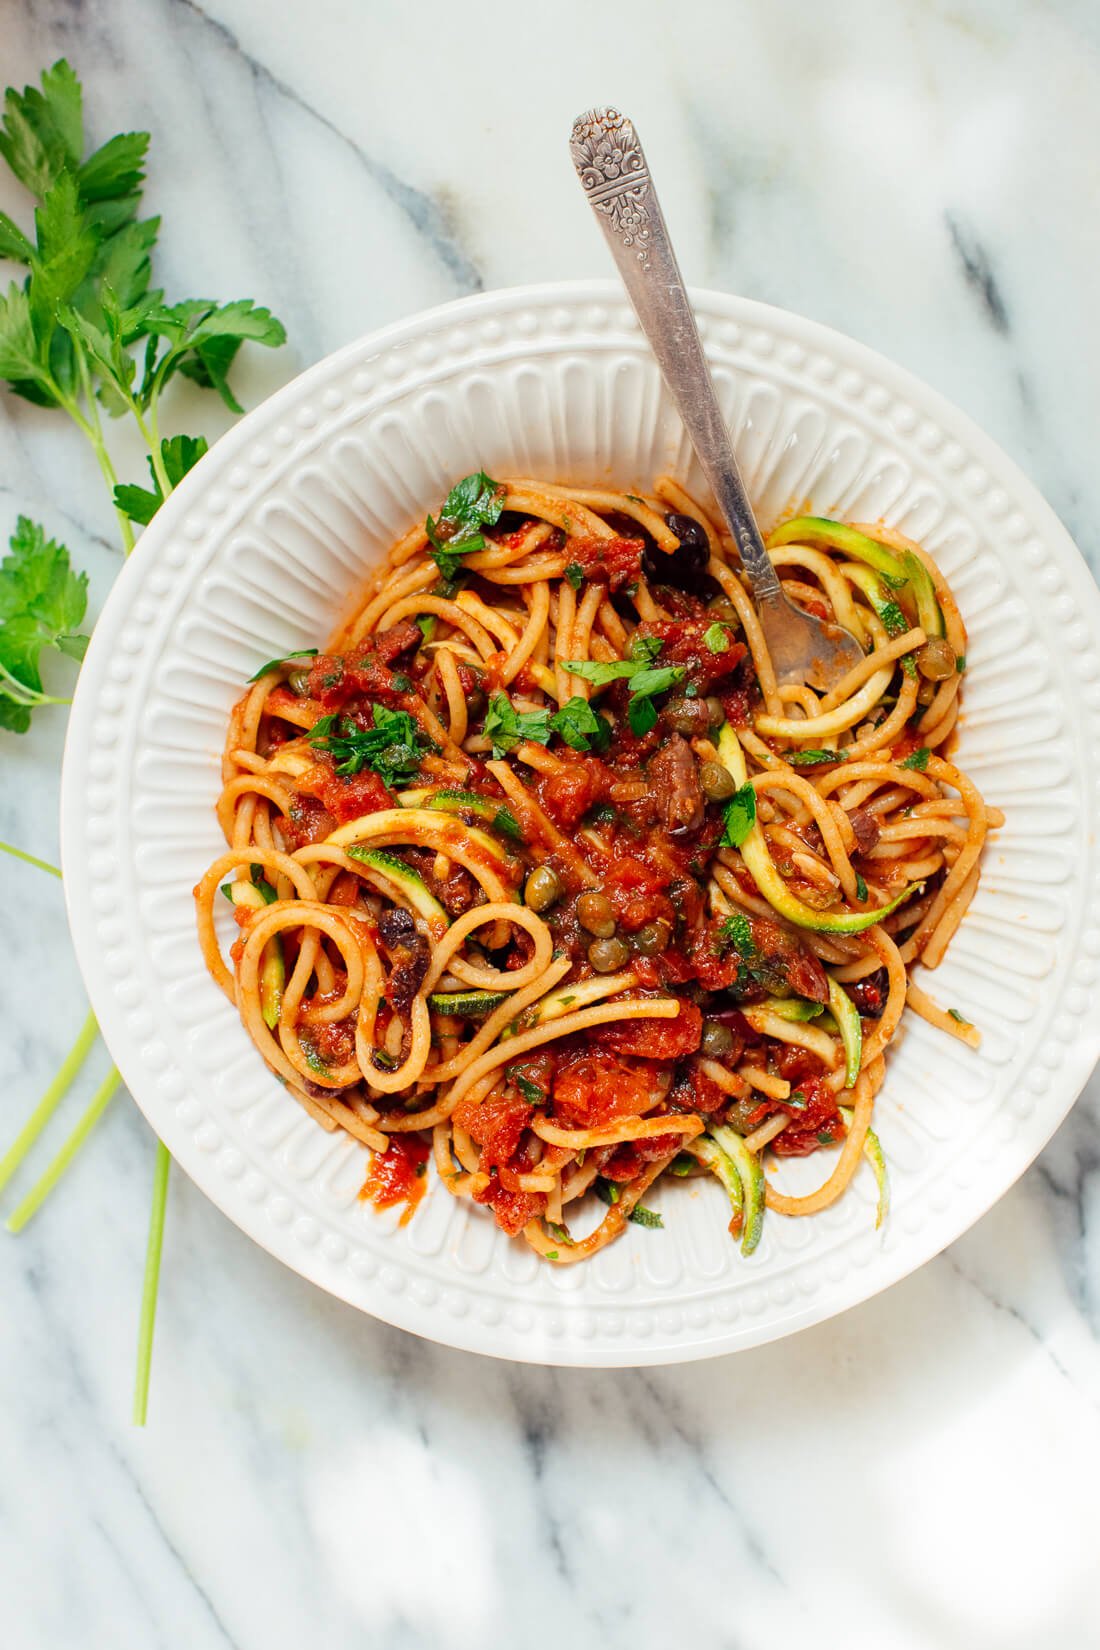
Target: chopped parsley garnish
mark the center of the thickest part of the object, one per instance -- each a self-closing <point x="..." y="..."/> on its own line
<point x="797" y="1099"/>
<point x="646" y="679"/>
<point x="580" y="726"/>
<point x="606" y="1190"/>
<point x="575" y="574"/>
<point x="736" y="931"/>
<point x="740" y="817"/>
<point x="861" y="889"/>
<point x="641" y="1216"/>
<point x="472" y="503"/>
<point x="917" y="760"/>
<point x="392" y="748"/>
<point x="560" y="1232"/>
<point x="681" y="1165"/>
<point x="960" y="664"/>
<point x="507" y="727"/>
<point x="717" y="637"/>
<point x="426" y="623"/>
<point x="960" y="1018"/>
<point x="813" y="759"/>
<point x="530" y="1091"/>
<point x="274" y="664"/>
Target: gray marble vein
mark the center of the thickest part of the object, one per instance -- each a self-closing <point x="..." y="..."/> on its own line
<point x="920" y="1472"/>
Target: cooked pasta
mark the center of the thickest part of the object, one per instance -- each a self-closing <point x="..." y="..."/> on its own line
<point x="540" y="872"/>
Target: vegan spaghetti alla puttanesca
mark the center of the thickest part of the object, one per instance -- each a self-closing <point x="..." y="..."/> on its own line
<point x="540" y="874"/>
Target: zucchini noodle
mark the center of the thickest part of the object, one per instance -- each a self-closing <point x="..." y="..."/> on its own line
<point x="538" y="872"/>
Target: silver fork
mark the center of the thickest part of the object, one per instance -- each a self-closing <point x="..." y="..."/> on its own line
<point x="612" y="168"/>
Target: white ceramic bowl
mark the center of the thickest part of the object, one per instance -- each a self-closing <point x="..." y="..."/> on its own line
<point x="258" y="552"/>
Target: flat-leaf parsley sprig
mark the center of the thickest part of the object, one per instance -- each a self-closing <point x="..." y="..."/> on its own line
<point x="83" y="329"/>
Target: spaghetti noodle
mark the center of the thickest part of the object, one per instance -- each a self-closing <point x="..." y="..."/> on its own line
<point x="539" y="863"/>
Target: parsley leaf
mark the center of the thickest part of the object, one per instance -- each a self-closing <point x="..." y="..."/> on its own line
<point x="561" y="1233"/>
<point x="472" y="503"/>
<point x="530" y="1091"/>
<point x="918" y="760"/>
<point x="575" y="574"/>
<point x="601" y="671"/>
<point x="960" y="1018"/>
<point x="392" y="748"/>
<point x="740" y="817"/>
<point x="507" y="727"/>
<point x="861" y="889"/>
<point x="580" y="726"/>
<point x="179" y="454"/>
<point x="736" y="931"/>
<point x="646" y="680"/>
<point x="273" y="664"/>
<point x="642" y="1216"/>
<point x="42" y="601"/>
<point x="606" y="1190"/>
<point x="811" y="759"/>
<point x="717" y="637"/>
<point x="644" y="649"/>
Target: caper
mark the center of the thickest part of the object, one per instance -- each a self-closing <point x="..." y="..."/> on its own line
<point x="298" y="682"/>
<point x="717" y="710"/>
<point x="608" y="955"/>
<point x="717" y="1039"/>
<point x="688" y="716"/>
<point x="741" y="1114"/>
<point x="654" y="937"/>
<point x="936" y="659"/>
<point x="717" y="782"/>
<point x="542" y="889"/>
<point x="596" y="913"/>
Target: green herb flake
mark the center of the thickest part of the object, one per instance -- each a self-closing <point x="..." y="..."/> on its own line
<point x="814" y="759"/>
<point x="276" y="664"/>
<point x="607" y="1191"/>
<point x="580" y="726"/>
<point x="717" y="637"/>
<point x="642" y="1216"/>
<point x="575" y="574"/>
<point x="960" y="664"/>
<point x="917" y="760"/>
<point x="393" y="748"/>
<point x="551" y="1254"/>
<point x="530" y="1091"/>
<point x="682" y="1164"/>
<point x="507" y="727"/>
<point x="740" y="817"/>
<point x="472" y="503"/>
<point x="561" y="1233"/>
<point x="959" y="1018"/>
<point x="736" y="932"/>
<point x="861" y="889"/>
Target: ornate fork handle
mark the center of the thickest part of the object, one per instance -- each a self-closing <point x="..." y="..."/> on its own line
<point x="612" y="167"/>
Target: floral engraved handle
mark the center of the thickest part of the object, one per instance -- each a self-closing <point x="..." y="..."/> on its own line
<point x="611" y="166"/>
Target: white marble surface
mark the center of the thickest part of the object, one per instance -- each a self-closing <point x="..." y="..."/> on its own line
<point x="920" y="1473"/>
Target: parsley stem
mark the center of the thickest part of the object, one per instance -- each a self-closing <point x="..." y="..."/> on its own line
<point x="92" y="429"/>
<point x="43" y="1187"/>
<point x="151" y="436"/>
<point x="148" y="1317"/>
<point x="29" y="859"/>
<point x="51" y="1099"/>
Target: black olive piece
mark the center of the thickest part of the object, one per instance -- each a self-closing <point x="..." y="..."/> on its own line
<point x="687" y="565"/>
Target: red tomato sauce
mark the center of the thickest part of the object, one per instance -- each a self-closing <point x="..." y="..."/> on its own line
<point x="398" y="1175"/>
